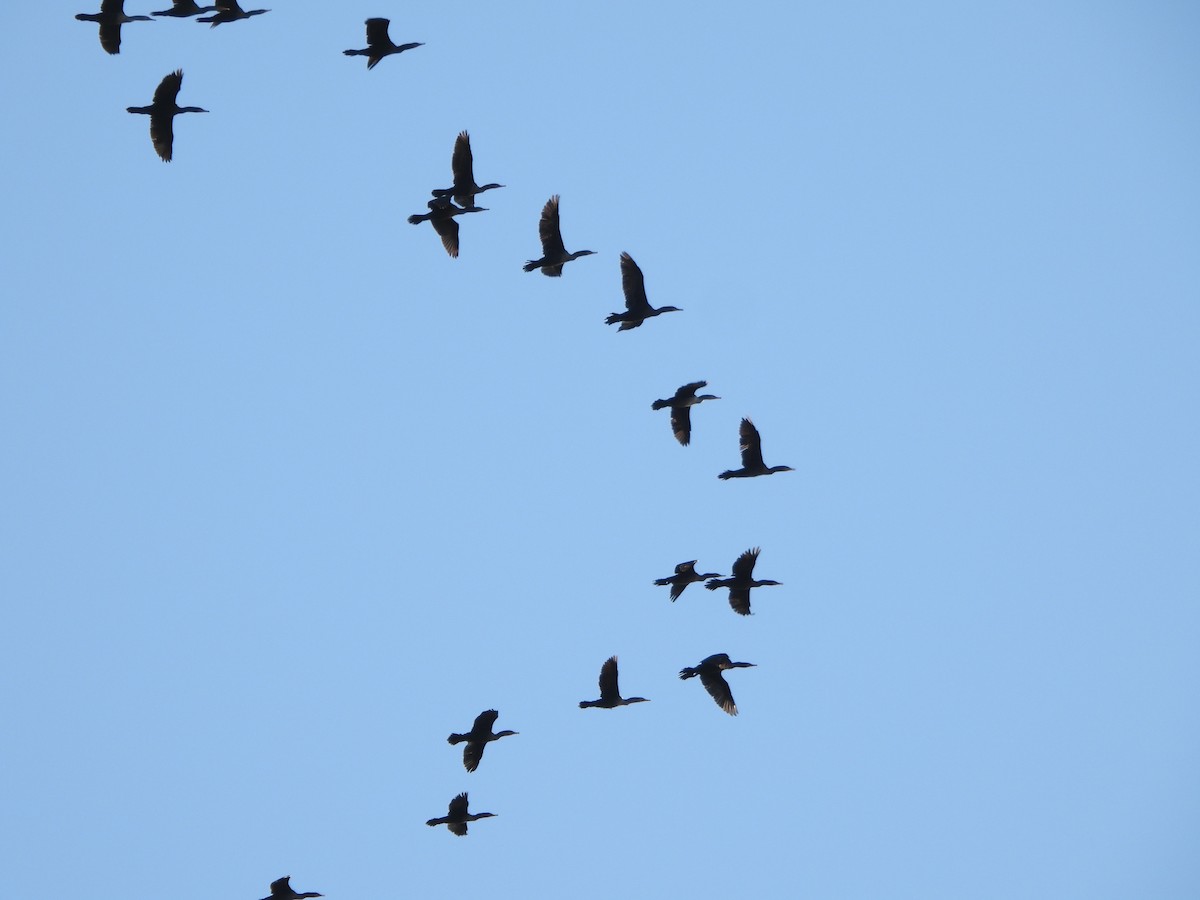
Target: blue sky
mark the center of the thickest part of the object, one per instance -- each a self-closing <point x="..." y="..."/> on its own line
<point x="290" y="495"/>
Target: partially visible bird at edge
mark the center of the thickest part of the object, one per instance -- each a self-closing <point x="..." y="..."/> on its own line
<point x="162" y="112"/>
<point x="379" y="44"/>
<point x="685" y="574"/>
<point x="610" y="695"/>
<point x="637" y="307"/>
<point x="281" y="889"/>
<point x="681" y="404"/>
<point x="554" y="253"/>
<point x="710" y="670"/>
<point x="111" y="17"/>
<point x="230" y="11"/>
<point x="441" y="216"/>
<point x="462" y="164"/>
<point x="477" y="738"/>
<point x="458" y="817"/>
<point x="740" y="582"/>
<point x="184" y="9"/>
<point x="752" y="459"/>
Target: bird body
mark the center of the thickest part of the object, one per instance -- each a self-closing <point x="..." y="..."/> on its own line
<point x="610" y="695"/>
<point x="184" y="9"/>
<point x="462" y="164"/>
<point x="709" y="670"/>
<point x="110" y="18"/>
<point x="478" y="738"/>
<point x="458" y="817"/>
<point x="680" y="405"/>
<point x="637" y="307"/>
<point x="441" y="216"/>
<point x="379" y="45"/>
<point x="162" y="112"/>
<point x="685" y="574"/>
<point x="752" y="458"/>
<point x="554" y="253"/>
<point x="281" y="889"/>
<point x="740" y="582"/>
<point x="230" y="11"/>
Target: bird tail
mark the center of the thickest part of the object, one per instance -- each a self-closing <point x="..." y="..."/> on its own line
<point x="726" y="475"/>
<point x="529" y="266"/>
<point x="613" y="319"/>
<point x="456" y="738"/>
<point x="662" y="581"/>
<point x="355" y="52"/>
<point x="688" y="673"/>
<point x="584" y="704"/>
<point x="660" y="404"/>
<point x="712" y="585"/>
<point x="417" y="220"/>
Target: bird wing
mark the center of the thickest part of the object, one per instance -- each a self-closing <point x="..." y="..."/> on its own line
<point x="168" y="89"/>
<point x="681" y="424"/>
<point x="110" y="35"/>
<point x="633" y="284"/>
<point x="377" y="32"/>
<point x="462" y="163"/>
<point x="689" y="390"/>
<point x="112" y="7"/>
<point x="162" y="135"/>
<point x="718" y="689"/>
<point x="459" y="828"/>
<point x="280" y="887"/>
<point x="608" y="679"/>
<point x="683" y="567"/>
<point x="677" y="589"/>
<point x="472" y="754"/>
<point x="751" y="445"/>
<point x="551" y="235"/>
<point x="743" y="566"/>
<point x="447" y="228"/>
<point x="739" y="600"/>
<point x="458" y="806"/>
<point x="484" y="721"/>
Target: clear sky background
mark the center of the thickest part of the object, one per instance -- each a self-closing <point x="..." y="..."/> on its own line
<point x="289" y="495"/>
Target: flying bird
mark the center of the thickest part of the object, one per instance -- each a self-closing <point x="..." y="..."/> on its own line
<point x="458" y="817"/>
<point x="685" y="574"/>
<point x="752" y="460"/>
<point x="379" y="44"/>
<point x="184" y="9"/>
<point x="477" y="738"/>
<point x="282" y="890"/>
<point x="610" y="696"/>
<point x="637" y="307"/>
<point x="554" y="254"/>
<point x="441" y="216"/>
<point x="229" y="11"/>
<point x="111" y="17"/>
<point x="740" y="582"/>
<point x="681" y="405"/>
<point x="462" y="164"/>
<point x="710" y="670"/>
<point x="162" y="112"/>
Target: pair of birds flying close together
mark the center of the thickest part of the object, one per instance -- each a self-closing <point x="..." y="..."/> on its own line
<point x="709" y="670"/>
<point x="739" y="583"/>
<point x="112" y="16"/>
<point x="442" y="212"/>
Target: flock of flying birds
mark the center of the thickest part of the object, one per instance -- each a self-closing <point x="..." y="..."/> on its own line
<point x="442" y="215"/>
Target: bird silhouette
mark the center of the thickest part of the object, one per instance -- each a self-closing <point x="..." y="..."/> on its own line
<point x="162" y="112"/>
<point x="740" y="582"/>
<point x="681" y="405"/>
<point x="111" y="17"/>
<point x="462" y="164"/>
<point x="281" y="889"/>
<point x="379" y="44"/>
<point x="184" y="9"/>
<point x="230" y="11"/>
<point x="477" y="738"/>
<point x="554" y="254"/>
<point x="441" y="216"/>
<point x="458" y="817"/>
<point x="610" y="696"/>
<point x="709" y="670"/>
<point x="685" y="574"/>
<point x="637" y="307"/>
<point x="752" y="459"/>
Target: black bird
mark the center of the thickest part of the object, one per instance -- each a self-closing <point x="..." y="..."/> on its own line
<point x="441" y="215"/>
<point x="379" y="44"/>
<point x="554" y="254"/>
<point x="462" y="164"/>
<point x="477" y="738"/>
<point x="710" y="670"/>
<point x="111" y="17"/>
<point x="162" y="113"/>
<point x="229" y="11"/>
<point x="740" y="582"/>
<point x="458" y="817"/>
<point x="637" y="307"/>
<point x="281" y="890"/>
<point x="752" y="461"/>
<point x="681" y="404"/>
<point x="685" y="574"/>
<point x="610" y="696"/>
<point x="184" y="9"/>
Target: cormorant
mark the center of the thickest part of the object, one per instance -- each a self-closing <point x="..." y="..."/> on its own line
<point x="380" y="45"/>
<point x="554" y="254"/>
<point x="441" y="215"/>
<point x="637" y="307"/>
<point x="752" y="461"/>
<point x="610" y="696"/>
<point x="462" y="164"/>
<point x="162" y="112"/>
<point x="710" y="670"/>
<point x="229" y="11"/>
<point x="685" y="574"/>
<point x="184" y="9"/>
<point x="458" y="817"/>
<point x="111" y="17"/>
<point x="281" y="890"/>
<point x="477" y="738"/>
<point x="740" y="582"/>
<point x="681" y="417"/>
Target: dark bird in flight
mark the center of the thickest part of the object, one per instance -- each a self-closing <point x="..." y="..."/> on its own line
<point x="379" y="44"/>
<point x="162" y="113"/>
<point x="554" y="254"/>
<point x="462" y="164"/>
<point x="229" y="11"/>
<point x="752" y="461"/>
<point x="477" y="738"/>
<point x="637" y="307"/>
<point x="710" y="670"/>
<point x="681" y="405"/>
<point x="184" y="9"/>
<point x="685" y="574"/>
<point x="441" y="216"/>
<point x="610" y="696"/>
<point x="740" y="582"/>
<point x="458" y="817"/>
<point x="111" y="17"/>
<point x="281" y="890"/>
